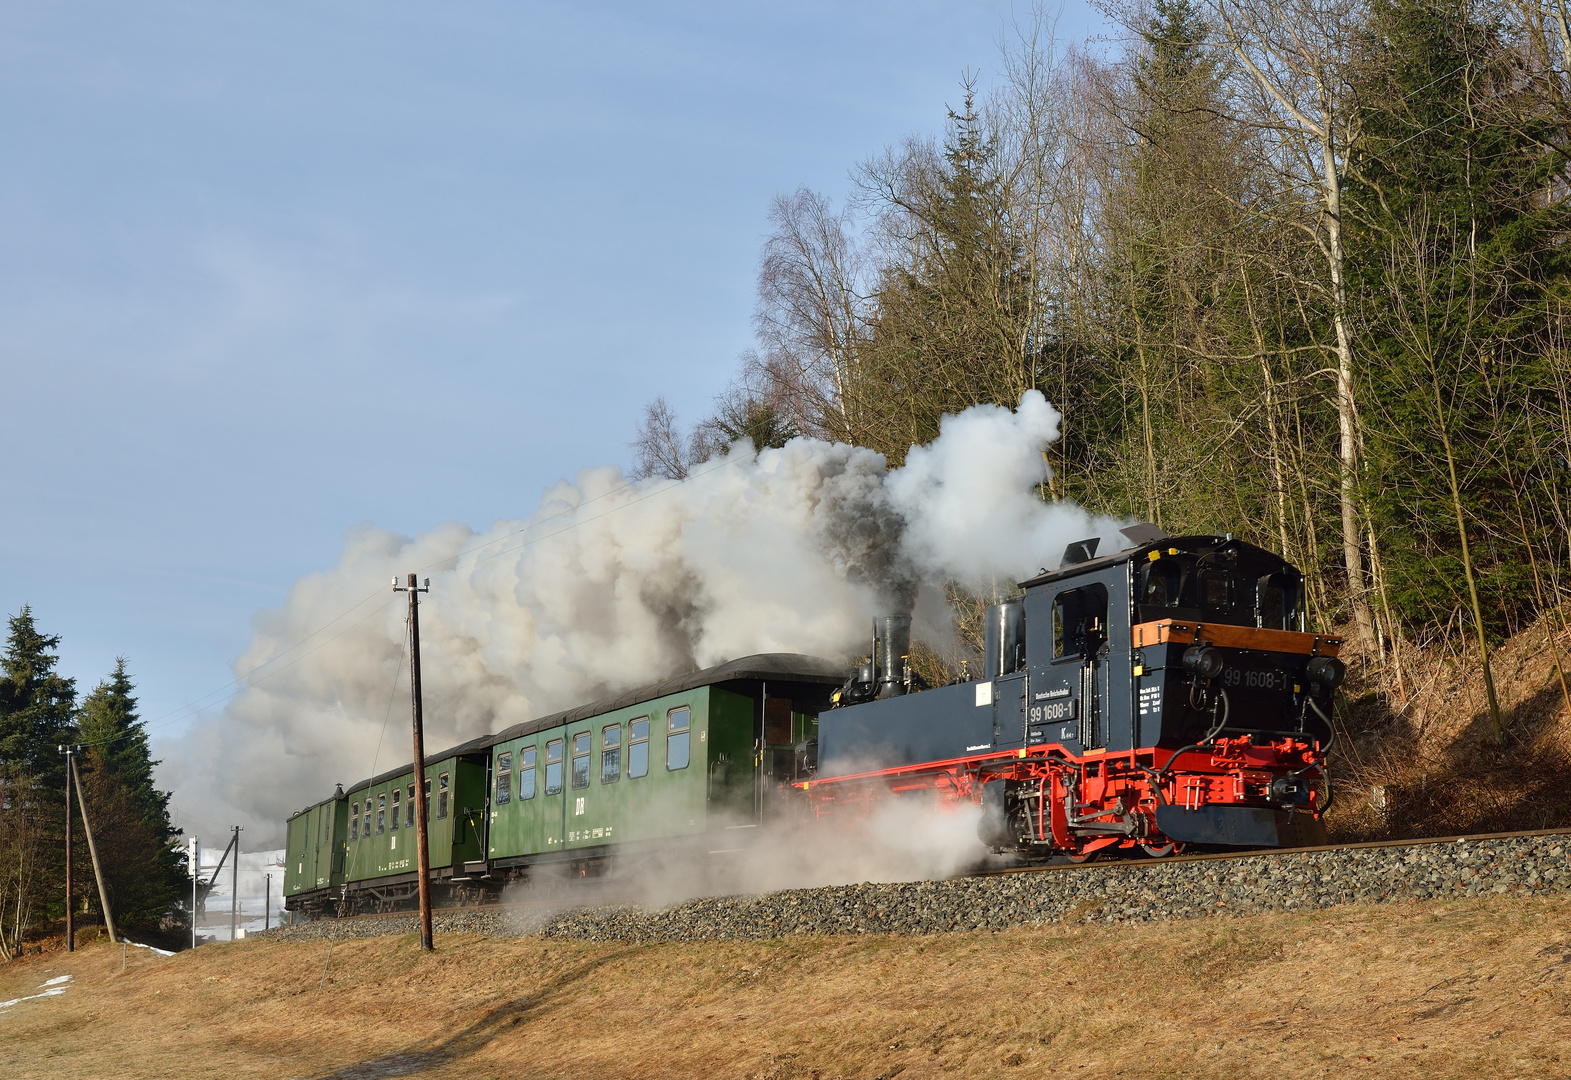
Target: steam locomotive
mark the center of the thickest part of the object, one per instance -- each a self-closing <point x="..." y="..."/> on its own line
<point x="1165" y="696"/>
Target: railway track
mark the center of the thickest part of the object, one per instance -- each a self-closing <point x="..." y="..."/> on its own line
<point x="1255" y="853"/>
<point x="522" y="911"/>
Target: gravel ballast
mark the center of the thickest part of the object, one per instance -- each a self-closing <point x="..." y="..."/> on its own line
<point x="1142" y="892"/>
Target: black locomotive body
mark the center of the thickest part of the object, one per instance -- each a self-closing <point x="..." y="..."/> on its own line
<point x="1164" y="695"/>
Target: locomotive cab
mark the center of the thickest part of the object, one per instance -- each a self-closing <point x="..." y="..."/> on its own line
<point x="1118" y="668"/>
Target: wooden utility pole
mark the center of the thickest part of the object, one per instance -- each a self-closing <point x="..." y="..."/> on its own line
<point x="92" y="848"/>
<point x="422" y="848"/>
<point x="70" y="925"/>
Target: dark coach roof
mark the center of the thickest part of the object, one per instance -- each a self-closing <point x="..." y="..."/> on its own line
<point x="786" y="667"/>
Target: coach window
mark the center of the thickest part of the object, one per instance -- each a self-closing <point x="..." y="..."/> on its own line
<point x="409" y="807"/>
<point x="365" y="822"/>
<point x="392" y="821"/>
<point x="676" y="750"/>
<point x="581" y="760"/>
<point x="611" y="754"/>
<point x="526" y="773"/>
<point x="777" y="721"/>
<point x="553" y="767"/>
<point x="442" y="781"/>
<point x="354" y="822"/>
<point x="504" y="779"/>
<point x="638" y="747"/>
<point x="381" y="813"/>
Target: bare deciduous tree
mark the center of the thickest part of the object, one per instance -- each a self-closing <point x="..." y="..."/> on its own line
<point x="659" y="448"/>
<point x="1295" y="55"/>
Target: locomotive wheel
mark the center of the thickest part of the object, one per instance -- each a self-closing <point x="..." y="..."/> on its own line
<point x="1159" y="851"/>
<point x="1081" y="857"/>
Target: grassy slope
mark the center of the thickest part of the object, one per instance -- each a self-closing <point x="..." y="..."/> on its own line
<point x="1474" y="988"/>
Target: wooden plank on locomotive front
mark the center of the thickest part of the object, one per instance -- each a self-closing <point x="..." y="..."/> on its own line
<point x="1234" y="637"/>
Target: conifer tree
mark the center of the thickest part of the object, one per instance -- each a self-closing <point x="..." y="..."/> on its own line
<point x="954" y="312"/>
<point x="36" y="702"/>
<point x="144" y="871"/>
<point x="1460" y="260"/>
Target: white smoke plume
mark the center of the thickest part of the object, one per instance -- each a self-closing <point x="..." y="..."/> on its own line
<point x="612" y="584"/>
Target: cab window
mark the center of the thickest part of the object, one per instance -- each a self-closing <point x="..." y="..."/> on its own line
<point x="1279" y="602"/>
<point x="611" y="754"/>
<point x="638" y="747"/>
<point x="1216" y="592"/>
<point x="581" y="760"/>
<point x="1079" y="622"/>
<point x="553" y="767"/>
<point x="526" y="773"/>
<point x="678" y="721"/>
<point x="1161" y="584"/>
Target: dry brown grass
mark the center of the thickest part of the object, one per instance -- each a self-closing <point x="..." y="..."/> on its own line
<point x="1434" y="754"/>
<point x="1465" y="989"/>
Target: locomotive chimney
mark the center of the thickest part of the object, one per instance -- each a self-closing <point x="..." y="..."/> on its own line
<point x="894" y="645"/>
<point x="1005" y="639"/>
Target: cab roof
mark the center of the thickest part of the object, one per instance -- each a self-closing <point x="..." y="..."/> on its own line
<point x="1199" y="544"/>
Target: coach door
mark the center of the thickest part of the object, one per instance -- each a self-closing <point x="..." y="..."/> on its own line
<point x="553" y="797"/>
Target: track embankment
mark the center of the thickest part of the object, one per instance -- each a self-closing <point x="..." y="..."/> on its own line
<point x="1128" y="892"/>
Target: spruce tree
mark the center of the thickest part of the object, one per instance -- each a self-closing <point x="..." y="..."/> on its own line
<point x="144" y="870"/>
<point x="36" y="705"/>
<point x="1460" y="258"/>
<point x="954" y="313"/>
<point x="36" y="702"/>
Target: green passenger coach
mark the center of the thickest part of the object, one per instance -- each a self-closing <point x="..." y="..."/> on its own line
<point x="314" y="848"/>
<point x="576" y="793"/>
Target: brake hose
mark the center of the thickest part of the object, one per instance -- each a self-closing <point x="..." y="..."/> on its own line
<point x="1216" y="729"/>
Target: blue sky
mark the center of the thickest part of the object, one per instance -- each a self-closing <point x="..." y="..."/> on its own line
<point x="267" y="271"/>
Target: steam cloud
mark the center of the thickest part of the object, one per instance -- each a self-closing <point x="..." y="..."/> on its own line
<point x="611" y="585"/>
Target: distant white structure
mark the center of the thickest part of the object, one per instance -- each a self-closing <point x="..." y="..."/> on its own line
<point x="212" y="923"/>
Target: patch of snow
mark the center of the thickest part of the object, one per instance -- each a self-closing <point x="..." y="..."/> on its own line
<point x="54" y="988"/>
<point x="149" y="948"/>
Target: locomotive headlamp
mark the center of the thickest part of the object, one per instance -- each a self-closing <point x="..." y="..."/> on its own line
<point x="1203" y="661"/>
<point x="1328" y="671"/>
